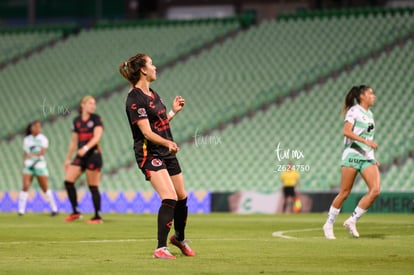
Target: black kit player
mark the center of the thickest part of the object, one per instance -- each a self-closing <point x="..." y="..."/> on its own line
<point x="155" y="151"/>
<point x="87" y="130"/>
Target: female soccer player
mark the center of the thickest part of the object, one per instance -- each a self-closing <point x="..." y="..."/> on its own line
<point x="34" y="146"/>
<point x="358" y="156"/>
<point x="155" y="151"/>
<point x="87" y="130"/>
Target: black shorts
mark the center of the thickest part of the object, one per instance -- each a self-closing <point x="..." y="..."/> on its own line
<point x="289" y="191"/>
<point x="155" y="164"/>
<point x="90" y="161"/>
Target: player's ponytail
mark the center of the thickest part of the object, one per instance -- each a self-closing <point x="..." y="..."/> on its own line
<point x="131" y="69"/>
<point x="353" y="96"/>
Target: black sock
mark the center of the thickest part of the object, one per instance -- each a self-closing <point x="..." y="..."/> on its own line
<point x="180" y="219"/>
<point x="73" y="197"/>
<point x="165" y="218"/>
<point x="96" y="199"/>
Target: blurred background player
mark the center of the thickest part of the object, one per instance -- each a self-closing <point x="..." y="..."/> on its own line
<point x="155" y="151"/>
<point x="289" y="178"/>
<point x="87" y="130"/>
<point x="34" y="146"/>
<point x="358" y="157"/>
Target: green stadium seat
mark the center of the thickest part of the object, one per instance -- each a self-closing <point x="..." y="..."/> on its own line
<point x="238" y="75"/>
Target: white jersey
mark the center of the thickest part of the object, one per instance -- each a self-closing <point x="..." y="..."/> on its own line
<point x="363" y="126"/>
<point x="33" y="145"/>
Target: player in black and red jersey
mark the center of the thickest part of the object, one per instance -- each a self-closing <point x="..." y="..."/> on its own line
<point x="155" y="151"/>
<point x="87" y="130"/>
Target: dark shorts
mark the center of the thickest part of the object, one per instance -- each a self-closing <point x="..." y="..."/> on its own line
<point x="155" y="164"/>
<point x="289" y="191"/>
<point x="91" y="161"/>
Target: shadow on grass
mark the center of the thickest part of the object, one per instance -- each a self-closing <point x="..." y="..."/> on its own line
<point x="374" y="236"/>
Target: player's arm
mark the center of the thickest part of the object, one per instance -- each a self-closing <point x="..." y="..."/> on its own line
<point x="177" y="106"/>
<point x="146" y="130"/>
<point x="347" y="132"/>
<point x="72" y="147"/>
<point x="25" y="156"/>
<point x="97" y="134"/>
<point x="42" y="152"/>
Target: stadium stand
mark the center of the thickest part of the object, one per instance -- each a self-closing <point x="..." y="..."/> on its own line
<point x="18" y="44"/>
<point x="84" y="64"/>
<point x="279" y="84"/>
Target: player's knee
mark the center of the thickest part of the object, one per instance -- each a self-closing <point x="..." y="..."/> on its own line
<point x="93" y="188"/>
<point x="344" y="194"/>
<point x="69" y="184"/>
<point x="375" y="192"/>
<point x="169" y="195"/>
<point x="181" y="195"/>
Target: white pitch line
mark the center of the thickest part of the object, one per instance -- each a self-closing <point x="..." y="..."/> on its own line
<point x="281" y="234"/>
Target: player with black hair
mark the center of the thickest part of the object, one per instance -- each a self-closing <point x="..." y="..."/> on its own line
<point x="358" y="157"/>
<point x="35" y="145"/>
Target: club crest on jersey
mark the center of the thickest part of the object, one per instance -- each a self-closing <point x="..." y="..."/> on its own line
<point x="90" y="124"/>
<point x="142" y="112"/>
<point x="156" y="162"/>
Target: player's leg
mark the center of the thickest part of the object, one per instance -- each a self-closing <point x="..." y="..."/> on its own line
<point x="72" y="174"/>
<point x="181" y="209"/>
<point x="24" y="193"/>
<point x="43" y="182"/>
<point x="371" y="176"/>
<point x="348" y="175"/>
<point x="291" y="201"/>
<point x="162" y="184"/>
<point x="290" y="191"/>
<point x="285" y="198"/>
<point x="93" y="178"/>
<point x="180" y="216"/>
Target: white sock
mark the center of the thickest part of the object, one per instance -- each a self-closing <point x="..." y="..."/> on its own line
<point x="23" y="195"/>
<point x="358" y="212"/>
<point x="332" y="214"/>
<point x="51" y="200"/>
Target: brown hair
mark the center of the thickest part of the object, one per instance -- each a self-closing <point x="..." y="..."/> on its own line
<point x="83" y="100"/>
<point x="352" y="96"/>
<point x="131" y="69"/>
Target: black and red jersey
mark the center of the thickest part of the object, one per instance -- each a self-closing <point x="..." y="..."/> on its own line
<point x="141" y="106"/>
<point x="84" y="129"/>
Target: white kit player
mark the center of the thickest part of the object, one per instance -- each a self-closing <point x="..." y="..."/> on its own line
<point x="358" y="157"/>
<point x="34" y="146"/>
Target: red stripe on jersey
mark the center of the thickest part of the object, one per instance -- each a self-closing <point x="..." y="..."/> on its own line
<point x="85" y="136"/>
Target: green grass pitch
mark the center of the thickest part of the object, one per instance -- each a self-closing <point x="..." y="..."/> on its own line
<point x="224" y="244"/>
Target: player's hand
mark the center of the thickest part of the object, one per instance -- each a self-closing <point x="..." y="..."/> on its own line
<point x="66" y="165"/>
<point x="173" y="147"/>
<point x="371" y="144"/>
<point x="178" y="104"/>
<point x="81" y="152"/>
